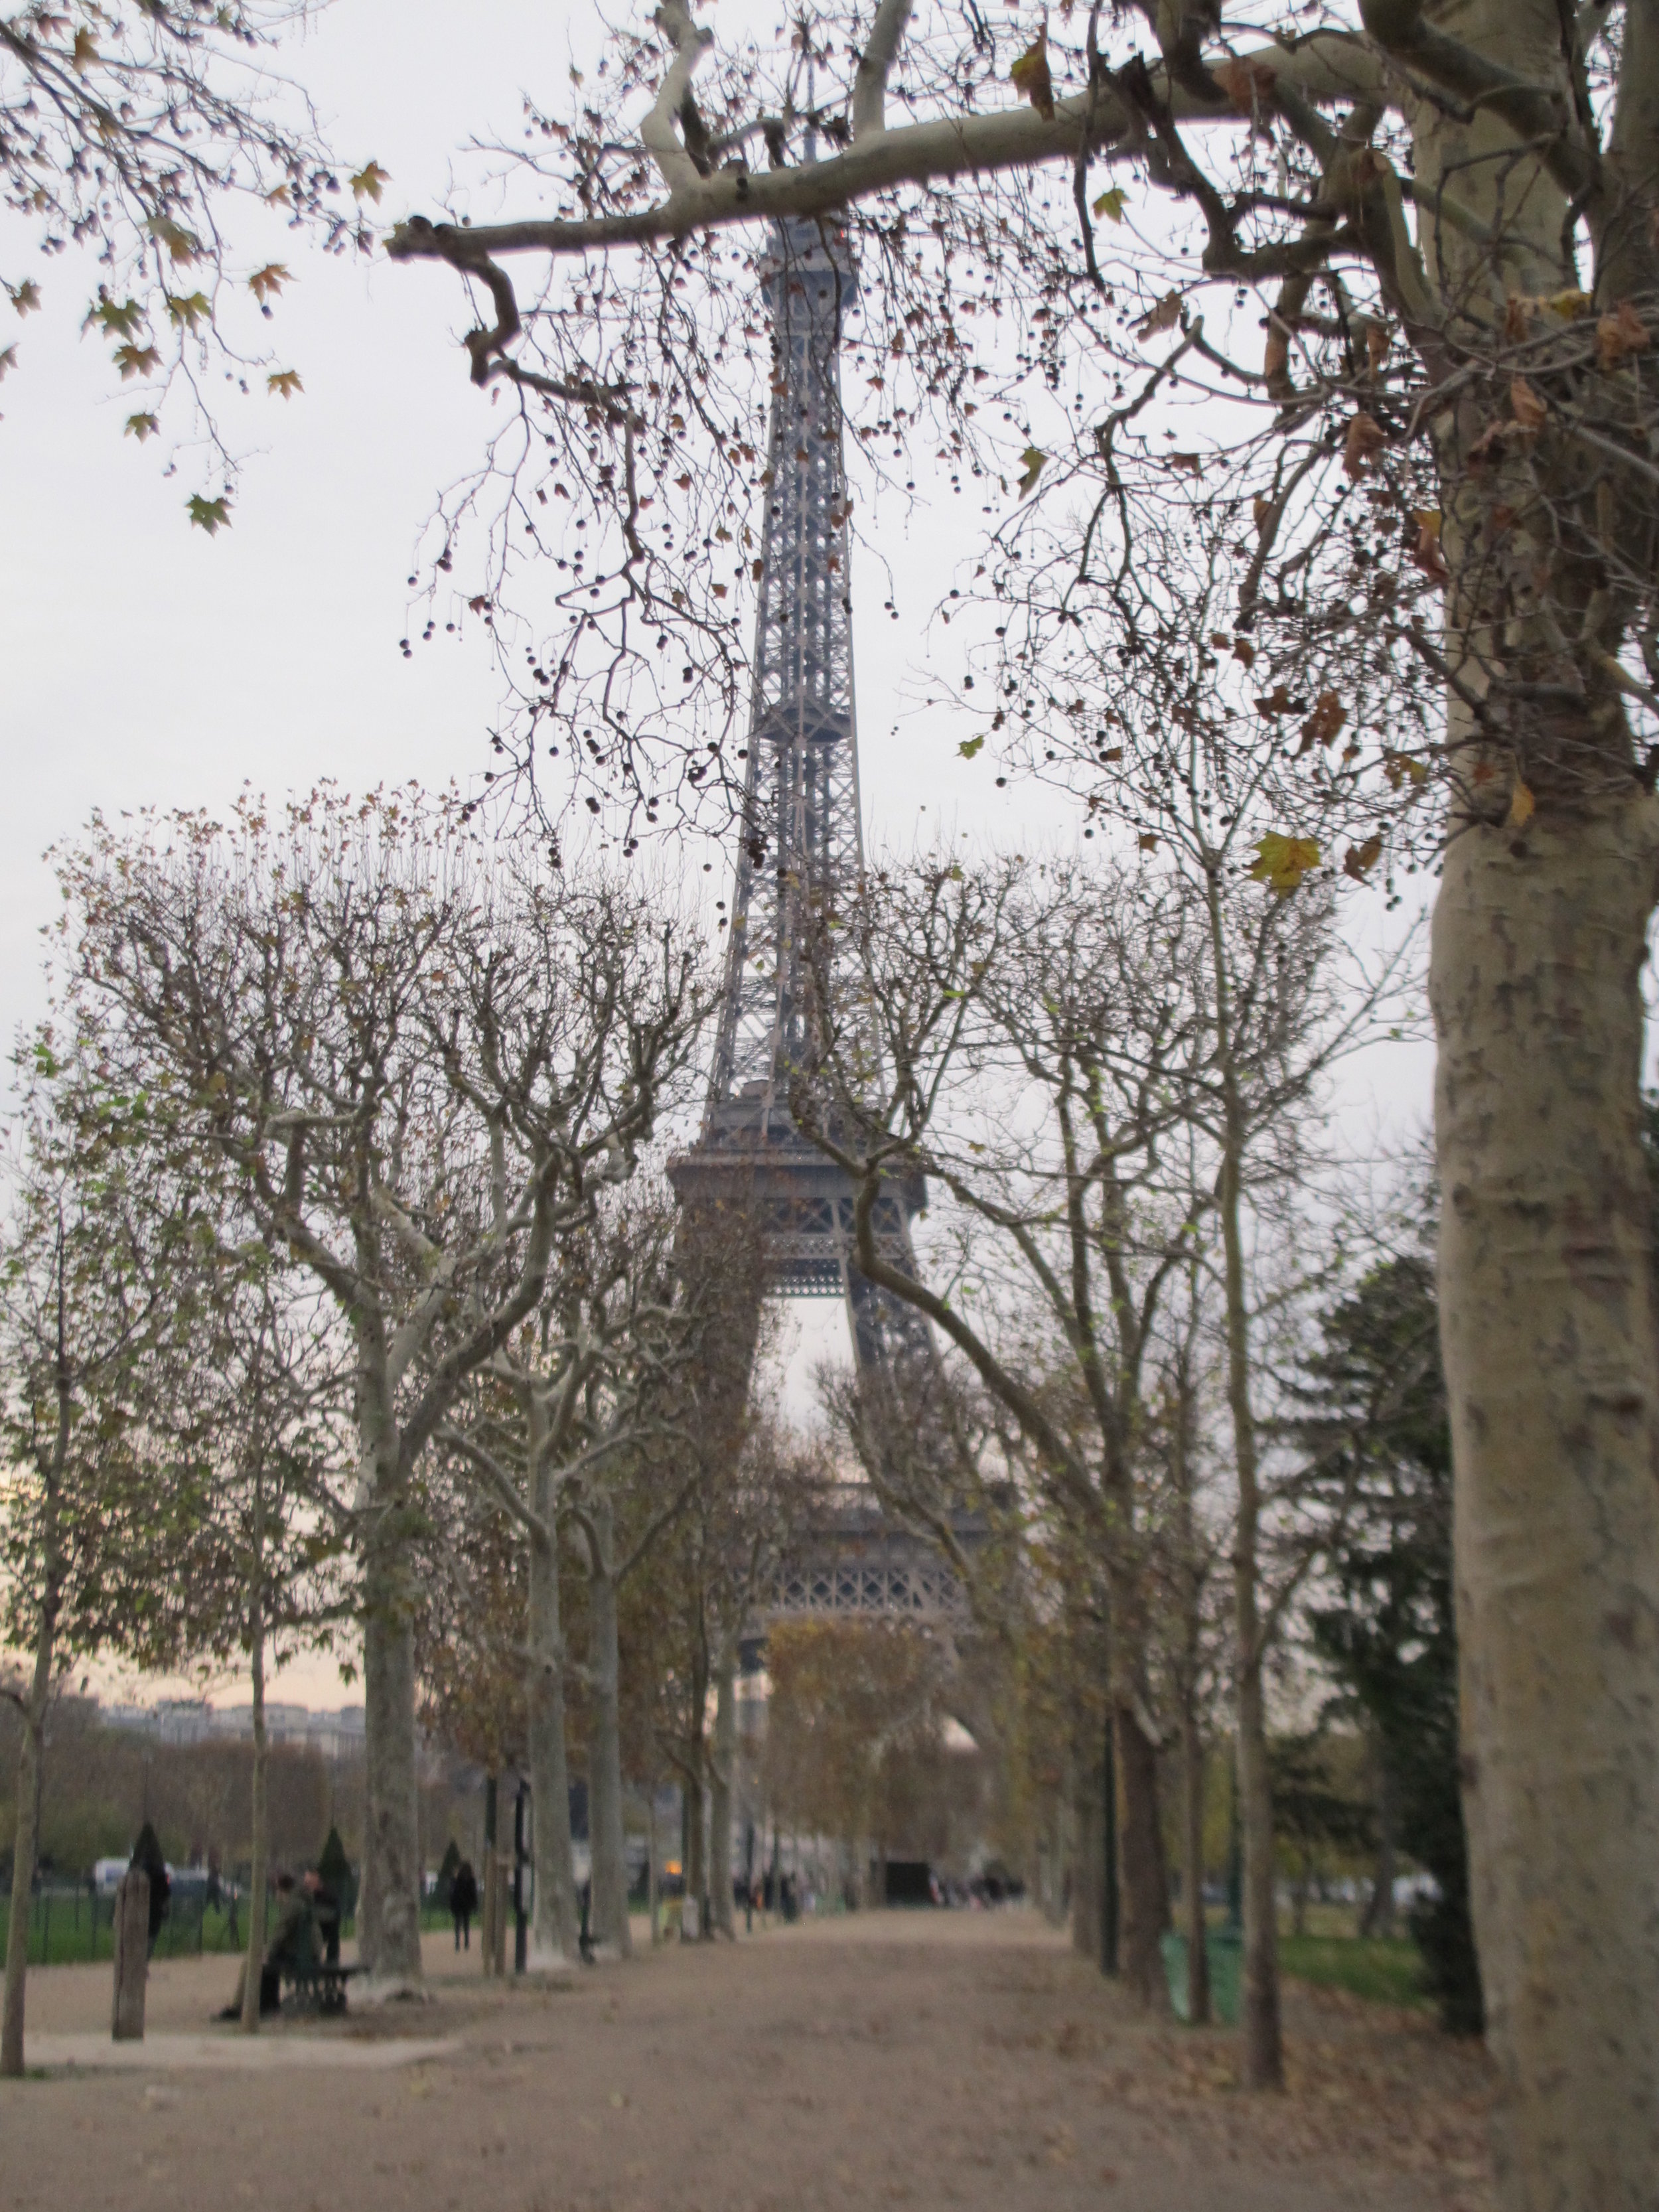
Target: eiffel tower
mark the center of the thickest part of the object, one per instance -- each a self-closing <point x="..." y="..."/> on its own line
<point x="802" y="845"/>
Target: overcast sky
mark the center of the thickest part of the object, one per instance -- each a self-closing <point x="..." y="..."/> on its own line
<point x="145" y="662"/>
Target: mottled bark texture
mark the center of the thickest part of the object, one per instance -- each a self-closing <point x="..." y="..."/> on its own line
<point x="1548" y="1333"/>
<point x="556" y="1935"/>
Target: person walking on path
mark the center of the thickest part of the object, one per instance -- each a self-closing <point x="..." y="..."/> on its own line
<point x="464" y="1903"/>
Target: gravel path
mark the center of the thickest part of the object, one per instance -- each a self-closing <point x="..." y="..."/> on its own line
<point x="950" y="2059"/>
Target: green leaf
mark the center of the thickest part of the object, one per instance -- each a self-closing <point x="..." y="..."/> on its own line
<point x="1281" y="862"/>
<point x="1033" y="458"/>
<point x="141" y="427"/>
<point x="122" y="320"/>
<point x="969" y="746"/>
<point x="1110" y="204"/>
<point x="189" y="309"/>
<point x="209" y="515"/>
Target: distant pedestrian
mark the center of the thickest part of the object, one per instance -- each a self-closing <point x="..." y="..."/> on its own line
<point x="464" y="1903"/>
<point x="147" y="1859"/>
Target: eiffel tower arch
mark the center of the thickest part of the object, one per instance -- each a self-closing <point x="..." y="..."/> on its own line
<point x="802" y="847"/>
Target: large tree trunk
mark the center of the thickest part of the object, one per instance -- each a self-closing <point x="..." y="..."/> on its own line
<point x="557" y="1933"/>
<point x="1088" y="1845"/>
<point x="608" y="1915"/>
<point x="1548" y="1333"/>
<point x="720" y="1796"/>
<point x="390" y="1923"/>
<point x="256" y="1902"/>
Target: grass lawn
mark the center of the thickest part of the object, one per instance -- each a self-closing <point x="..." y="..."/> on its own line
<point x="1389" y="1972"/>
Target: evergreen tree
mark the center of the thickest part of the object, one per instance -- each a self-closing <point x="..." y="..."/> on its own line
<point x="1382" y="1478"/>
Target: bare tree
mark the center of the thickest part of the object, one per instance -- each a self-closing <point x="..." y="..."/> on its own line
<point x="419" y="1067"/>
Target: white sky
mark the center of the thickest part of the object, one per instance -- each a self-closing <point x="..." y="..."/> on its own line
<point x="140" y="661"/>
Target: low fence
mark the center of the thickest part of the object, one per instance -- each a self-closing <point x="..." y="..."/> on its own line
<point x="73" y="1925"/>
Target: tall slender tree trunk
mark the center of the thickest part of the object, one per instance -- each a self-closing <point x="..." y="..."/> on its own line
<point x="724" y="1773"/>
<point x="25" y="1847"/>
<point x="557" y="1933"/>
<point x="389" y="1901"/>
<point x="1144" y="1879"/>
<point x="608" y="1918"/>
<point x="256" y="1903"/>
<point x="1264" y="2052"/>
<point x="1192" y="1856"/>
<point x="1547" y="1328"/>
<point x="1379" y="1908"/>
<point x="31" y="1751"/>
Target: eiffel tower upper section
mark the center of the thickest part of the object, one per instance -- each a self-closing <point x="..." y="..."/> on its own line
<point x="802" y="834"/>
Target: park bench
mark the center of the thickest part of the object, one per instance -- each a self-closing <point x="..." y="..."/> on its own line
<point x="317" y="1983"/>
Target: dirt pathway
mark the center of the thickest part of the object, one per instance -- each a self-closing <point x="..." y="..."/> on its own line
<point x="961" y="2060"/>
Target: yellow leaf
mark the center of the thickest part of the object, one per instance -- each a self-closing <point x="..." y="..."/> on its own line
<point x="141" y="427"/>
<point x="1110" y="204"/>
<point x="1147" y="842"/>
<point x="271" y="278"/>
<point x="209" y="515"/>
<point x="1034" y="458"/>
<point x="7" y="361"/>
<point x="1030" y="75"/>
<point x="189" y="310"/>
<point x="1281" y="862"/>
<point x="1359" y="859"/>
<point x="85" y="53"/>
<point x="368" y="183"/>
<point x="284" y="382"/>
<point x="1427" y="518"/>
<point x="25" y="296"/>
<point x="1523" y="806"/>
<point x="1570" y="304"/>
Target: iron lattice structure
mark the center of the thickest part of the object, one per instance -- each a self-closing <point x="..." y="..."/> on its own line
<point x="803" y="840"/>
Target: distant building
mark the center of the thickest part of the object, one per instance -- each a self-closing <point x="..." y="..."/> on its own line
<point x="337" y="1735"/>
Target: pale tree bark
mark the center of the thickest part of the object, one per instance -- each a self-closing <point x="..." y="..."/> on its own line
<point x="557" y="1928"/>
<point x="1548" y="1336"/>
<point x="722" y="1775"/>
<point x="388" y="1918"/>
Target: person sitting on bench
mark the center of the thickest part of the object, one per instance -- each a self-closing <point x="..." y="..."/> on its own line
<point x="290" y="1946"/>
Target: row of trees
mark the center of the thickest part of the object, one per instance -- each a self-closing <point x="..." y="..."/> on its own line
<point x="346" y="1298"/>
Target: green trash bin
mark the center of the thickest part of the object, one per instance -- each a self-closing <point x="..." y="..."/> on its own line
<point x="1225" y="1951"/>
